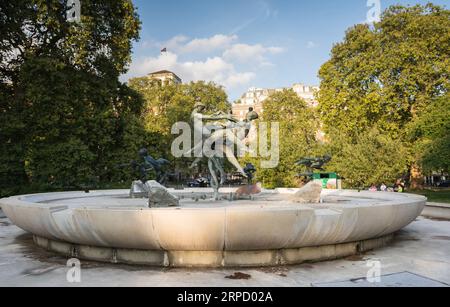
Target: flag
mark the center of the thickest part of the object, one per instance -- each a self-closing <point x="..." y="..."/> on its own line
<point x="163" y="50"/>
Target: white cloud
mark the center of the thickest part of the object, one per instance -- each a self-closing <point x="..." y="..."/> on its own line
<point x="215" y="58"/>
<point x="175" y="42"/>
<point x="238" y="79"/>
<point x="146" y="65"/>
<point x="212" y="69"/>
<point x="182" y="44"/>
<point x="245" y="52"/>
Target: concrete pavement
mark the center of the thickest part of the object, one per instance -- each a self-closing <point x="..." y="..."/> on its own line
<point x="419" y="256"/>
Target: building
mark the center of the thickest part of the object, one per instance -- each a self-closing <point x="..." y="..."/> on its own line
<point x="255" y="97"/>
<point x="307" y="93"/>
<point x="165" y="77"/>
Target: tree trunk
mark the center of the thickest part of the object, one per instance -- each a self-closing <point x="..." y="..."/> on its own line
<point x="416" y="177"/>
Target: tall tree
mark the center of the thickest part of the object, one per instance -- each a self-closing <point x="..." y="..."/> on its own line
<point x="370" y="157"/>
<point x="168" y="104"/>
<point x="65" y="115"/>
<point x="385" y="75"/>
<point x="430" y="133"/>
<point x="298" y="126"/>
<point x="101" y="43"/>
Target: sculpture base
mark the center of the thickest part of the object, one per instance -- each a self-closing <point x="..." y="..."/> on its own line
<point x="212" y="259"/>
<point x="309" y="194"/>
<point x="249" y="190"/>
<point x="157" y="194"/>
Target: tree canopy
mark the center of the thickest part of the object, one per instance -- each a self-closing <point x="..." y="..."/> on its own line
<point x="66" y="120"/>
<point x="430" y="133"/>
<point x="298" y="126"/>
<point x="386" y="75"/>
<point x="168" y="104"/>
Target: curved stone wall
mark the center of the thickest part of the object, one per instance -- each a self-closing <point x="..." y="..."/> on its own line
<point x="346" y="217"/>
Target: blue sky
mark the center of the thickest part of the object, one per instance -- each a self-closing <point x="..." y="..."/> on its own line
<point x="245" y="43"/>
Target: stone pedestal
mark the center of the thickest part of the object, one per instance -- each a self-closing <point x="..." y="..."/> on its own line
<point x="249" y="190"/>
<point x="138" y="190"/>
<point x="309" y="194"/>
<point x="159" y="196"/>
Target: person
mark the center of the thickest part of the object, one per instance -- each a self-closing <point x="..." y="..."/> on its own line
<point x="383" y="187"/>
<point x="373" y="188"/>
<point x="399" y="186"/>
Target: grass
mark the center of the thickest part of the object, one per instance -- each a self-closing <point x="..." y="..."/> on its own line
<point x="436" y="196"/>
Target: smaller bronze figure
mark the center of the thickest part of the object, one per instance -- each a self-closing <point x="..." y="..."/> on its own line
<point x="312" y="164"/>
<point x="146" y="163"/>
<point x="250" y="170"/>
<point x="250" y="190"/>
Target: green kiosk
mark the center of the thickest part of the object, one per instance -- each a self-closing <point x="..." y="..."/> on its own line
<point x="330" y="181"/>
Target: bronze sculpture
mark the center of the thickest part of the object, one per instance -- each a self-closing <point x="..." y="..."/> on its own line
<point x="312" y="164"/>
<point x="223" y="137"/>
<point x="147" y="163"/>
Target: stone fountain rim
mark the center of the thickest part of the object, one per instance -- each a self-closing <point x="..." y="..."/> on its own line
<point x="387" y="198"/>
<point x="228" y="237"/>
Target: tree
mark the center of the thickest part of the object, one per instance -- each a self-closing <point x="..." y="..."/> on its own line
<point x="65" y="116"/>
<point x="101" y="43"/>
<point x="430" y="133"/>
<point x="168" y="104"/>
<point x="387" y="74"/>
<point x="370" y="157"/>
<point x="298" y="128"/>
<point x="12" y="135"/>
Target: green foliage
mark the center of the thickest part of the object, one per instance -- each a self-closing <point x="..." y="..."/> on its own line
<point x="385" y="76"/>
<point x="65" y="118"/>
<point x="430" y="133"/>
<point x="80" y="125"/>
<point x="100" y="44"/>
<point x="12" y="149"/>
<point x="171" y="103"/>
<point x="371" y="157"/>
<point x="298" y="127"/>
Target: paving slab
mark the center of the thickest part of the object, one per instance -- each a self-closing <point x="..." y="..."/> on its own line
<point x="403" y="279"/>
<point x="421" y="249"/>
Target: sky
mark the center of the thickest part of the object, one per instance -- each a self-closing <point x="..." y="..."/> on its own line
<point x="246" y="43"/>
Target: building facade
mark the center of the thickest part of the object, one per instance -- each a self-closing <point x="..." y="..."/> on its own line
<point x="308" y="93"/>
<point x="255" y="97"/>
<point x="165" y="77"/>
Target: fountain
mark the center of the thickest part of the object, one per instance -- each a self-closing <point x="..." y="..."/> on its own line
<point x="212" y="227"/>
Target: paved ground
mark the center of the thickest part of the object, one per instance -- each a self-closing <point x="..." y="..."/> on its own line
<point x="419" y="256"/>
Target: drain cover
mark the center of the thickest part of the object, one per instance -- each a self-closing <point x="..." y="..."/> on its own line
<point x="403" y="279"/>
